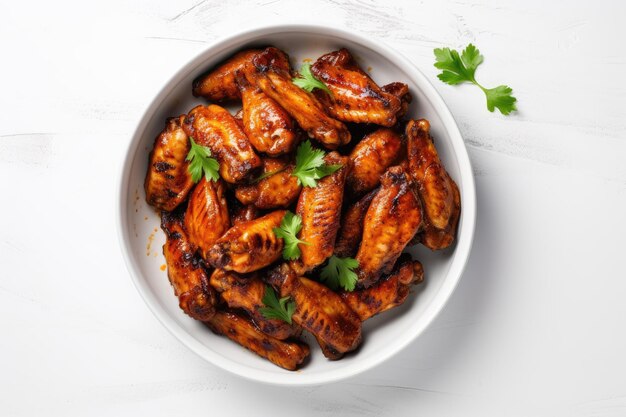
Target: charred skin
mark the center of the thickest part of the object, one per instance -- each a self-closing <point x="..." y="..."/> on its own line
<point x="389" y="292"/>
<point x="437" y="239"/>
<point x="268" y="126"/>
<point x="392" y="219"/>
<point x="320" y="210"/>
<point x="286" y="354"/>
<point x="355" y="96"/>
<point x="214" y="127"/>
<point x="219" y="84"/>
<point x="370" y="159"/>
<point x="246" y="293"/>
<point x="276" y="191"/>
<point x="351" y="230"/>
<point x="168" y="181"/>
<point x="190" y="281"/>
<point x="206" y="217"/>
<point x="248" y="246"/>
<point x="400" y="90"/>
<point x="271" y="74"/>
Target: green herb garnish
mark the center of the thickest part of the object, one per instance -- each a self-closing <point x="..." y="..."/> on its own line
<point x="310" y="165"/>
<point x="307" y="81"/>
<point x="339" y="272"/>
<point x="201" y="162"/>
<point x="289" y="228"/>
<point x="274" y="308"/>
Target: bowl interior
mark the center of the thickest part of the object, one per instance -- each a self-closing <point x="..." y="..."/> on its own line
<point x="384" y="335"/>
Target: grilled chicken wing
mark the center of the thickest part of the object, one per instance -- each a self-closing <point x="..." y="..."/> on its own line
<point x="185" y="272"/>
<point x="206" y="218"/>
<point x="370" y="159"/>
<point x="286" y="354"/>
<point x="278" y="190"/>
<point x="436" y="239"/>
<point x="320" y="210"/>
<point x="400" y="90"/>
<point x="268" y="126"/>
<point x="214" y="127"/>
<point x="271" y="74"/>
<point x="248" y="246"/>
<point x="240" y="213"/>
<point x="168" y="182"/>
<point x="351" y="229"/>
<point x="219" y="84"/>
<point x="393" y="218"/>
<point x="387" y="293"/>
<point x="355" y="96"/>
<point x="246" y="293"/>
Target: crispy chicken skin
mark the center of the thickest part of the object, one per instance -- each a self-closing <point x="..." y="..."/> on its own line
<point x="269" y="127"/>
<point x="168" y="182"/>
<point x="246" y="292"/>
<point x="400" y="90"/>
<point x="271" y="74"/>
<point x="219" y="84"/>
<point x="389" y="292"/>
<point x="214" y="127"/>
<point x="351" y="229"/>
<point x="355" y="96"/>
<point x="370" y="159"/>
<point x="286" y="354"/>
<point x="392" y="219"/>
<point x="436" y="239"/>
<point x="188" y="278"/>
<point x="278" y="190"/>
<point x="248" y="246"/>
<point x="206" y="218"/>
<point x="320" y="210"/>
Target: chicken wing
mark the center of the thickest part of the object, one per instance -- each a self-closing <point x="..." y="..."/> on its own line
<point x="246" y="292"/>
<point x="400" y="90"/>
<point x="387" y="293"/>
<point x="219" y="84"/>
<point x="248" y="246"/>
<point x="186" y="273"/>
<point x="436" y="239"/>
<point x="268" y="126"/>
<point x="392" y="219"/>
<point x="214" y="127"/>
<point x="271" y="74"/>
<point x="240" y="213"/>
<point x="320" y="210"/>
<point x="355" y="96"/>
<point x="168" y="182"/>
<point x="278" y="190"/>
<point x="351" y="229"/>
<point x="286" y="354"/>
<point x="370" y="159"/>
<point x="206" y="218"/>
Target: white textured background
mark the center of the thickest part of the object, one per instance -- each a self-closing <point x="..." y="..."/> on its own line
<point x="537" y="325"/>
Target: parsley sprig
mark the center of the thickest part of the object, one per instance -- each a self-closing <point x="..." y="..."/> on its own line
<point x="457" y="69"/>
<point x="310" y="165"/>
<point x="201" y="162"/>
<point x="274" y="308"/>
<point x="307" y="81"/>
<point x="289" y="228"/>
<point x="339" y="272"/>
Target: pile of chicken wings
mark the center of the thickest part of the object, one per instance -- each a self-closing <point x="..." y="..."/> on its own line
<point x="221" y="252"/>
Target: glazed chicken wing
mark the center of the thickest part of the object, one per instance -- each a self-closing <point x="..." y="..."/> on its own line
<point x="392" y="219"/>
<point x="351" y="229"/>
<point x="355" y="96"/>
<point x="436" y="239"/>
<point x="370" y="159"/>
<point x="286" y="354"/>
<point x="219" y="84"/>
<point x="400" y="90"/>
<point x="214" y="127"/>
<point x="185" y="272"/>
<point x="268" y="126"/>
<point x="206" y="218"/>
<point x="248" y="246"/>
<point x="168" y="182"/>
<point x="278" y="190"/>
<point x="240" y="213"/>
<point x="271" y="74"/>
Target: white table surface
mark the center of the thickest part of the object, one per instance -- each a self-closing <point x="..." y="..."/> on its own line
<point x="537" y="324"/>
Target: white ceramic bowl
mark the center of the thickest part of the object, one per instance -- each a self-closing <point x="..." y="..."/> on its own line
<point x="141" y="238"/>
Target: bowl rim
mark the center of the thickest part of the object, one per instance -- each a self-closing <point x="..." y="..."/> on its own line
<point x="458" y="262"/>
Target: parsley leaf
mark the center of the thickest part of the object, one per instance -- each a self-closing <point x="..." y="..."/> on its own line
<point x="274" y="308"/>
<point x="289" y="228"/>
<point x="201" y="162"/>
<point x="310" y="165"/>
<point x="457" y="69"/>
<point x="307" y="81"/>
<point x="339" y="272"/>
